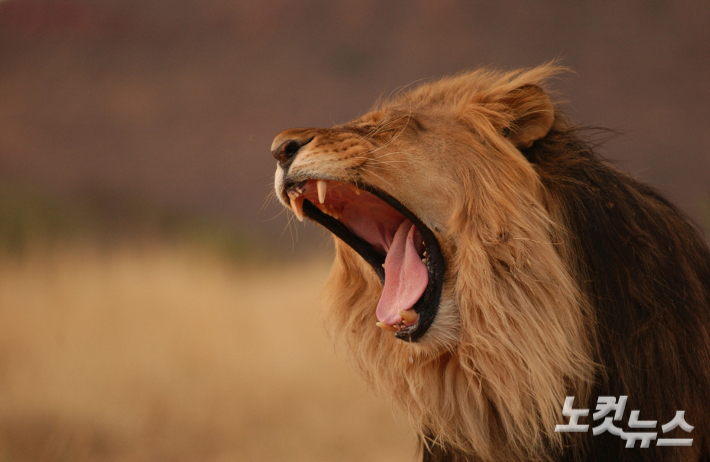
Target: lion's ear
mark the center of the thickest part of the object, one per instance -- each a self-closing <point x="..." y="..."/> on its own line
<point x="531" y="115"/>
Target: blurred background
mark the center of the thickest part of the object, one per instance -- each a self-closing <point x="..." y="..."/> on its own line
<point x="154" y="303"/>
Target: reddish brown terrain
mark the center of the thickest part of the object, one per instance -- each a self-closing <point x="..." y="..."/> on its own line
<point x="176" y="103"/>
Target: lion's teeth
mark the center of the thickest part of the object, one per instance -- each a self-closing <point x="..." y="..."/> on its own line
<point x="386" y="327"/>
<point x="410" y="317"/>
<point x="328" y="210"/>
<point x="296" y="206"/>
<point x="322" y="188"/>
<point x="354" y="188"/>
<point x="333" y="213"/>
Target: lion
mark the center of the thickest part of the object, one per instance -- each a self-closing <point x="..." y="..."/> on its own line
<point x="489" y="265"/>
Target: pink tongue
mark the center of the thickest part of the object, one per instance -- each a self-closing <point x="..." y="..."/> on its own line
<point x="406" y="276"/>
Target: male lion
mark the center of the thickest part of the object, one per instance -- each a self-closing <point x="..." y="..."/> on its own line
<point x="489" y="264"/>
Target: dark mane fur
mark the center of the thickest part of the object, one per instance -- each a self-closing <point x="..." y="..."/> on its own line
<point x="645" y="270"/>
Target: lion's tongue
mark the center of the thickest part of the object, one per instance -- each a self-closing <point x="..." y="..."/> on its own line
<point x="406" y="276"/>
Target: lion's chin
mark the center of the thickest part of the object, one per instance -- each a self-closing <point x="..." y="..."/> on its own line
<point x="400" y="248"/>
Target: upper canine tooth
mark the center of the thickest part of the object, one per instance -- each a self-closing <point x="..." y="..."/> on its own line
<point x="322" y="186"/>
<point x="297" y="206"/>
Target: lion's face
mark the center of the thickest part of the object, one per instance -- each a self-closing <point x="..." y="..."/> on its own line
<point x="448" y="285"/>
<point x="358" y="181"/>
<point x="396" y="186"/>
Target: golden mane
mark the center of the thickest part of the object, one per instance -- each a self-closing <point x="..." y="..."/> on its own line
<point x="488" y="162"/>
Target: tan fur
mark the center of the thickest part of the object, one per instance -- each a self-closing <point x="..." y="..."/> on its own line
<point x="512" y="335"/>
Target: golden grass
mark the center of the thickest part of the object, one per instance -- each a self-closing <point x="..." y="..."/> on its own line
<point x="168" y="354"/>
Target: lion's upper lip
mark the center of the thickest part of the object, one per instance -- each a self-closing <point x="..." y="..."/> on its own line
<point x="367" y="219"/>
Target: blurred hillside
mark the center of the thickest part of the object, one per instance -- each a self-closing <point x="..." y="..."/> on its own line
<point x="32" y="219"/>
<point x="176" y="102"/>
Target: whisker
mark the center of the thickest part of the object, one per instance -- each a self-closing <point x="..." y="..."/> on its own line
<point x="404" y="87"/>
<point x="268" y="199"/>
<point x="283" y="210"/>
<point x="378" y="176"/>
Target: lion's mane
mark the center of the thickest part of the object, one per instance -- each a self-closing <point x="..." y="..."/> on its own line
<point x="565" y="277"/>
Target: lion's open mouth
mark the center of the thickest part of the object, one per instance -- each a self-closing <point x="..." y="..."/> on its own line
<point x="400" y="248"/>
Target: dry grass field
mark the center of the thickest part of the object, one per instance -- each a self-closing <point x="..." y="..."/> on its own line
<point x="162" y="353"/>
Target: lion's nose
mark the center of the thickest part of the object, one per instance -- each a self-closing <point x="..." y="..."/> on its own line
<point x="286" y="150"/>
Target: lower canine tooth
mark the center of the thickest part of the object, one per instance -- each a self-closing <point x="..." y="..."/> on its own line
<point x="384" y="326"/>
<point x="409" y="317"/>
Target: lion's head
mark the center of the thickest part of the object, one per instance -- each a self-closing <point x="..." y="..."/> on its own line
<point x="456" y="284"/>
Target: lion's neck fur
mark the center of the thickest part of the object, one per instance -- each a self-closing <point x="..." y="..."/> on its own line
<point x="592" y="284"/>
<point x="515" y="338"/>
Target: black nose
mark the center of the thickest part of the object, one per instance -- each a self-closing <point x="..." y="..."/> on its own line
<point x="287" y="150"/>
